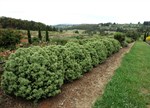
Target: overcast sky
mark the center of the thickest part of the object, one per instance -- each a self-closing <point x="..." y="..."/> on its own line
<point x="77" y="11"/>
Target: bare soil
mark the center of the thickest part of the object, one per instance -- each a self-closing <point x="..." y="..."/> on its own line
<point x="80" y="93"/>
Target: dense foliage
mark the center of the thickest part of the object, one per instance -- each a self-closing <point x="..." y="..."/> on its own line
<point x="35" y="73"/>
<point x="46" y="36"/>
<point x="29" y="37"/>
<point x="9" y="38"/>
<point x="109" y="46"/>
<point x="6" y="22"/>
<point x="82" y="56"/>
<point x="72" y="70"/>
<point x="121" y="38"/>
<point x="133" y="34"/>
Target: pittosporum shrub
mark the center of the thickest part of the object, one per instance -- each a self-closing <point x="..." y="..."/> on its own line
<point x="109" y="46"/>
<point x="93" y="53"/>
<point x="31" y="73"/>
<point x="55" y="59"/>
<point x="100" y="49"/>
<point x="120" y="37"/>
<point x="35" y="72"/>
<point x="72" y="70"/>
<point x="82" y="56"/>
<point x="116" y="45"/>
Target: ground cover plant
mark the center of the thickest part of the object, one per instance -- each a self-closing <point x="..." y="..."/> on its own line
<point x="129" y="87"/>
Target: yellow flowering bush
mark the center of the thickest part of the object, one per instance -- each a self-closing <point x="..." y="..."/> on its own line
<point x="148" y="38"/>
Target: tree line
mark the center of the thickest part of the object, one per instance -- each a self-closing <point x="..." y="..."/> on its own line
<point x="6" y="22"/>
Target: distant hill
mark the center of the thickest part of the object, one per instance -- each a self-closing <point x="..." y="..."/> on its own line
<point x="6" y="22"/>
<point x="65" y="25"/>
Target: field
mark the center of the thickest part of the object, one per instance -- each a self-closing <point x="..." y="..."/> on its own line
<point x="129" y="87"/>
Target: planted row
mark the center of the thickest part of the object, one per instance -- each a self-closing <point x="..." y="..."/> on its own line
<point x="34" y="73"/>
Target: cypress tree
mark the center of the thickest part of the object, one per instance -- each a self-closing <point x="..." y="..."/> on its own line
<point x="39" y="35"/>
<point x="29" y="37"/>
<point x="146" y="34"/>
<point x="47" y="36"/>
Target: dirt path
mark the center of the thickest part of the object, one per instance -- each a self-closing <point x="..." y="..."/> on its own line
<point x="83" y="93"/>
<point x="80" y="93"/>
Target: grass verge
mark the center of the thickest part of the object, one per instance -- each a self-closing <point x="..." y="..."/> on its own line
<point x="130" y="86"/>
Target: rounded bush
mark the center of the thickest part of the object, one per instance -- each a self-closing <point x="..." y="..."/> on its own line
<point x="120" y="37"/>
<point x="82" y="56"/>
<point x="93" y="53"/>
<point x="32" y="73"/>
<point x="72" y="70"/>
<point x="100" y="49"/>
<point x="109" y="46"/>
<point x="148" y="38"/>
<point x="35" y="72"/>
<point x="116" y="45"/>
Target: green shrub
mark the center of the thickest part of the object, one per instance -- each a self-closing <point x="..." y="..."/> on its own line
<point x="35" y="40"/>
<point x="2" y="58"/>
<point x="34" y="73"/>
<point x="109" y="46"/>
<point x="31" y="73"/>
<point x="59" y="41"/>
<point x="129" y="40"/>
<point x="124" y="44"/>
<point x="116" y="45"/>
<point x="120" y="37"/>
<point x="93" y="53"/>
<point x="133" y="34"/>
<point x="72" y="70"/>
<point x="82" y="56"/>
<point x="77" y="31"/>
<point x="100" y="49"/>
<point x="9" y="38"/>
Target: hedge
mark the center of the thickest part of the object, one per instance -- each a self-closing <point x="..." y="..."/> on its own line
<point x="72" y="70"/>
<point x="34" y="73"/>
<point x="82" y="56"/>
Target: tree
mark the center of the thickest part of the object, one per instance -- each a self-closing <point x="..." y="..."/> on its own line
<point x="9" y="38"/>
<point x="29" y="37"/>
<point x="39" y="35"/>
<point x="133" y="34"/>
<point x="61" y="30"/>
<point x="47" y="36"/>
<point x="145" y="35"/>
<point x="7" y="22"/>
<point x="54" y="29"/>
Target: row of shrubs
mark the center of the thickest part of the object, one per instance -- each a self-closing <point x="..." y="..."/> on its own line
<point x="34" y="73"/>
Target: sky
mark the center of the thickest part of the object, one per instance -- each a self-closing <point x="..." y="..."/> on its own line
<point x="52" y="12"/>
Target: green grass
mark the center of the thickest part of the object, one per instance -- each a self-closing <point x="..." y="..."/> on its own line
<point x="130" y="86"/>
